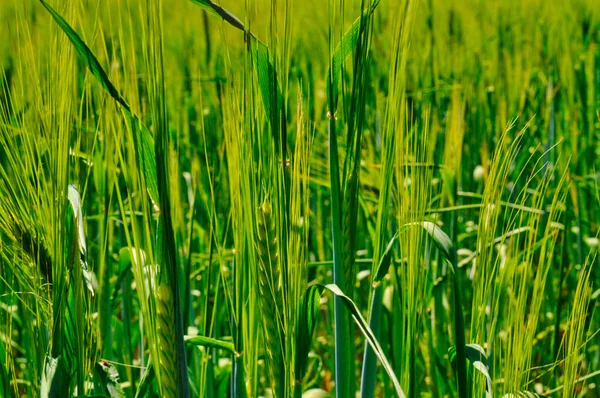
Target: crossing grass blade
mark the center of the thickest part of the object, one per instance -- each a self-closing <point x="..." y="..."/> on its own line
<point x="476" y="355"/>
<point x="445" y="245"/>
<point x="218" y="11"/>
<point x="107" y="381"/>
<point x="386" y="258"/>
<point x="54" y="382"/>
<point x="307" y="321"/>
<point x="75" y="200"/>
<point x="269" y="89"/>
<point x="367" y="333"/>
<point x="87" y="56"/>
<point x="344" y="48"/>
<point x="267" y="77"/>
<point x="148" y="377"/>
<point x="144" y="142"/>
<point x="210" y="342"/>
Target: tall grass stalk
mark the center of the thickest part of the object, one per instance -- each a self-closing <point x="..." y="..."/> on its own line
<point x="394" y="122"/>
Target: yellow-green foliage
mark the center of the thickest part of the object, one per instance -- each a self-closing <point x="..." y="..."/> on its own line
<point x="215" y="183"/>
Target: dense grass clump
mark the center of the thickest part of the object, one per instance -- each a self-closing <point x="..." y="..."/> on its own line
<point x="292" y="198"/>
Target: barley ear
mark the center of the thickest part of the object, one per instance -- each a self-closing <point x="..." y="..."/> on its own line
<point x="270" y="293"/>
<point x="166" y="336"/>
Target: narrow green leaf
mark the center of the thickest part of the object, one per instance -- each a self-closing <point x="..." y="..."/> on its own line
<point x="109" y="380"/>
<point x="144" y="146"/>
<point x="343" y="49"/>
<point x="268" y="85"/>
<point x="267" y="78"/>
<point x="144" y="143"/>
<point x="218" y="11"/>
<point x="210" y="342"/>
<point x="48" y="377"/>
<point x="444" y="244"/>
<point x="366" y="331"/>
<point x="207" y="6"/>
<point x="386" y="257"/>
<point x="342" y="333"/>
<point x="87" y="56"/>
<point x="385" y="262"/>
<point x="306" y="323"/>
<point x="75" y="200"/>
<point x="369" y="366"/>
<point x="55" y="381"/>
<point x="476" y="355"/>
<point x="146" y="382"/>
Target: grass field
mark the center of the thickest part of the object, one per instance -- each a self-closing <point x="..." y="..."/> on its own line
<point x="286" y="198"/>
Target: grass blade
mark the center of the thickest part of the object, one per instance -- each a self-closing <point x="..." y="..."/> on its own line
<point x="75" y="201"/>
<point x="476" y="355"/>
<point x="367" y="332"/>
<point x="87" y="56"/>
<point x="218" y="11"/>
<point x="55" y="381"/>
<point x="144" y="389"/>
<point x="343" y="49"/>
<point x="305" y="328"/>
<point x="210" y="343"/>
<point x="342" y="338"/>
<point x="445" y="245"/>
<point x="107" y="380"/>
<point x="143" y="139"/>
<point x="267" y="77"/>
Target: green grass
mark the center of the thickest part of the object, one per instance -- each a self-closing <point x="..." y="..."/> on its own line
<point x="299" y="198"/>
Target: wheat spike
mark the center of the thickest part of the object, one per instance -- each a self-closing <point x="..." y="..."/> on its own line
<point x="270" y="292"/>
<point x="166" y="337"/>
